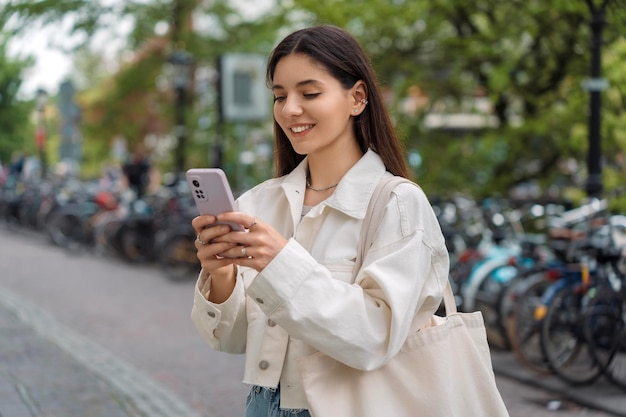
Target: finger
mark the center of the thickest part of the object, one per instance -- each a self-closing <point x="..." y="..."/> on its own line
<point x="256" y="263"/>
<point x="237" y="217"/>
<point x="199" y="241"/>
<point x="251" y="225"/>
<point x="213" y="263"/>
<point x="236" y="251"/>
<point x="201" y="222"/>
<point x="210" y="234"/>
<point x="213" y="250"/>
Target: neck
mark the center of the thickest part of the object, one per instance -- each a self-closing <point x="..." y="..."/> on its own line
<point x="310" y="187"/>
<point x="326" y="171"/>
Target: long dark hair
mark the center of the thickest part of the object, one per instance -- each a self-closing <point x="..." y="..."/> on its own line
<point x="344" y="58"/>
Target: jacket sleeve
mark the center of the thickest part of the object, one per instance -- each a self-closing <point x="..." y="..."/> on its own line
<point x="222" y="326"/>
<point x="365" y="323"/>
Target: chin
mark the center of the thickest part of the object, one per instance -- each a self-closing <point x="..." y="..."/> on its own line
<point x="300" y="150"/>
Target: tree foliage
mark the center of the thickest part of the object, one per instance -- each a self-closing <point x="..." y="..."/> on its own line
<point x="527" y="57"/>
<point x="15" y="134"/>
<point x="521" y="62"/>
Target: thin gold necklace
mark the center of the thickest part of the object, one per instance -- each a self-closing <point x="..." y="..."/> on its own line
<point x="308" y="185"/>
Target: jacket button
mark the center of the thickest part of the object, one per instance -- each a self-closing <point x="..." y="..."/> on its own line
<point x="259" y="300"/>
<point x="263" y="365"/>
<point x="211" y="314"/>
<point x="271" y="323"/>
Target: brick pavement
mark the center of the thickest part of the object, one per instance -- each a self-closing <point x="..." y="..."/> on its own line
<point x="47" y="370"/>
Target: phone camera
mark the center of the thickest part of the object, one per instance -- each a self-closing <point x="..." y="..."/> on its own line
<point x="195" y="183"/>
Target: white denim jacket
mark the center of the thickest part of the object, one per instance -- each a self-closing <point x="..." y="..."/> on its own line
<point x="304" y="300"/>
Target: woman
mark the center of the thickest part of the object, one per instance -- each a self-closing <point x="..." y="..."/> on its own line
<point x="282" y="290"/>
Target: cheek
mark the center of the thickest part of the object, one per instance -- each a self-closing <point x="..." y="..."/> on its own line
<point x="278" y="115"/>
<point x="280" y="124"/>
<point x="276" y="112"/>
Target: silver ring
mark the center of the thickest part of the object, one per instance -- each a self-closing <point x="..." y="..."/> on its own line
<point x="253" y="224"/>
<point x="200" y="240"/>
<point x="243" y="252"/>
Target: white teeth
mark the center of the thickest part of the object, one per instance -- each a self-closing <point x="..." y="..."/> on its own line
<point x="299" y="129"/>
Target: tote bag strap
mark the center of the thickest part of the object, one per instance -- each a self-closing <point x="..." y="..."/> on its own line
<point x="373" y="218"/>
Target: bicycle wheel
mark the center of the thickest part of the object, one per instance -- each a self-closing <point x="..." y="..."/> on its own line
<point x="616" y="368"/>
<point x="563" y="339"/>
<point x="605" y="327"/>
<point x="512" y="293"/>
<point x="135" y="242"/>
<point x="67" y="231"/>
<point x="488" y="300"/>
<point x="524" y="328"/>
<point x="177" y="257"/>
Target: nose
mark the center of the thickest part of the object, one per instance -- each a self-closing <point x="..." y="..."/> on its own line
<point x="291" y="107"/>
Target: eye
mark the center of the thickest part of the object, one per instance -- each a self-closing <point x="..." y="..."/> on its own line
<point x="279" y="99"/>
<point x="311" y="96"/>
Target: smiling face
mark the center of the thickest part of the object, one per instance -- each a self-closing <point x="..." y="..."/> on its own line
<point x="312" y="107"/>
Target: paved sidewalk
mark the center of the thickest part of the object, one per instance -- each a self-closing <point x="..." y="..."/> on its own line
<point x="601" y="395"/>
<point x="47" y="370"/>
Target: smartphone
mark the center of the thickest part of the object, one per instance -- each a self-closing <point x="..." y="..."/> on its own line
<point x="211" y="193"/>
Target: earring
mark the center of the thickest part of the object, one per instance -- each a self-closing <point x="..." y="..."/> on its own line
<point x="364" y="101"/>
<point x="355" y="111"/>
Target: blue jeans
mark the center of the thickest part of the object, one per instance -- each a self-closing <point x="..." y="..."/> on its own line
<point x="264" y="402"/>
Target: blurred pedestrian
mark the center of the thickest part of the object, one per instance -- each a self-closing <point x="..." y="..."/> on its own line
<point x="4" y="174"/>
<point x="16" y="167"/>
<point x="137" y="171"/>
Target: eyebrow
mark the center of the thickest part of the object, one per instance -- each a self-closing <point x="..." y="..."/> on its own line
<point x="299" y="84"/>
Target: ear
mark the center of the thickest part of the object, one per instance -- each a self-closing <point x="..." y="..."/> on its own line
<point x="359" y="97"/>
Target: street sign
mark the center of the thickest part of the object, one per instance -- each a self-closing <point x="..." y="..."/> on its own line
<point x="595" y="84"/>
<point x="243" y="93"/>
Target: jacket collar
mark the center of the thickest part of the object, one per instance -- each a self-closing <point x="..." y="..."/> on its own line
<point x="353" y="192"/>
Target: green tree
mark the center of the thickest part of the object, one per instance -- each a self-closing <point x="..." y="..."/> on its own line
<point x="523" y="60"/>
<point x="16" y="131"/>
<point x="130" y="102"/>
<point x="527" y="57"/>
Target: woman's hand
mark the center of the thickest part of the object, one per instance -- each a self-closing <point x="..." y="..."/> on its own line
<point x="220" y="250"/>
<point x="221" y="270"/>
<point x="254" y="248"/>
<point x="210" y="250"/>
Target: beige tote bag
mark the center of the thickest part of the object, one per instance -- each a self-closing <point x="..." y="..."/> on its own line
<point x="442" y="370"/>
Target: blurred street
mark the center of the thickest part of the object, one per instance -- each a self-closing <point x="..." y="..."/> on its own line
<point x="82" y="335"/>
